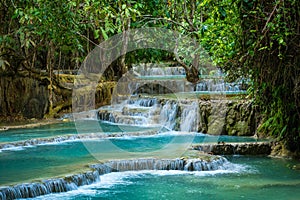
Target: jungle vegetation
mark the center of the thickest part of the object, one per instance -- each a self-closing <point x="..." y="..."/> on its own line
<point x="256" y="39"/>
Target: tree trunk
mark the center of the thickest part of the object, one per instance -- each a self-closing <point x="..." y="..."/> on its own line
<point x="125" y="27"/>
<point x="50" y="64"/>
<point x="192" y="73"/>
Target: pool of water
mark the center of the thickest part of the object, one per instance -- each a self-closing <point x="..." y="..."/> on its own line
<point x="45" y="161"/>
<point x="42" y="162"/>
<point x="252" y="178"/>
<point x="57" y="129"/>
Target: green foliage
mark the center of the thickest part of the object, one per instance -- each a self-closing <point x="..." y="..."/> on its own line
<point x="148" y="56"/>
<point x="269" y="50"/>
<point x="256" y="39"/>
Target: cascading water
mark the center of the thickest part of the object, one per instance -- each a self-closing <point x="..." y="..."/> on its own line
<point x="218" y="85"/>
<point x="162" y="164"/>
<point x="141" y="111"/>
<point x="30" y="190"/>
<point x="154" y="112"/>
<point x="168" y="114"/>
<point x="72" y="182"/>
<point x="190" y="118"/>
<point x="174" y="78"/>
<point x="144" y="111"/>
<point x="143" y="102"/>
<point x="156" y="70"/>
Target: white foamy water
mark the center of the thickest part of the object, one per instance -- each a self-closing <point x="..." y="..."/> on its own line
<point x="60" y="140"/>
<point x="109" y="182"/>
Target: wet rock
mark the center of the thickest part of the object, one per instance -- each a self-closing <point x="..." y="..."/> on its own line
<point x="216" y="125"/>
<point x="280" y="150"/>
<point x="214" y="117"/>
<point x="259" y="148"/>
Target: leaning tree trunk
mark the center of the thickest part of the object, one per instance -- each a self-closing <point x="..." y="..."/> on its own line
<point x="192" y="72"/>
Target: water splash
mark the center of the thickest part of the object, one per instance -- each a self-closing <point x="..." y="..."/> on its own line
<point x="168" y="114"/>
<point x="72" y="182"/>
<point x="218" y="85"/>
<point x="30" y="190"/>
<point x="190" y="117"/>
<point x="156" y="70"/>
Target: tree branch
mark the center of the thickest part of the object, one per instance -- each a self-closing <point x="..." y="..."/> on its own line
<point x="272" y="13"/>
<point x="164" y="19"/>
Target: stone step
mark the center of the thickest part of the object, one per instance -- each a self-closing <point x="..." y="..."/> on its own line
<point x="245" y="148"/>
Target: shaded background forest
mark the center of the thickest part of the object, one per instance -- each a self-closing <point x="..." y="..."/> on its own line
<point x="255" y="39"/>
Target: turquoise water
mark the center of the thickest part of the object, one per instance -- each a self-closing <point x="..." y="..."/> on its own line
<point x="45" y="161"/>
<point x="58" y="129"/>
<point x="92" y="126"/>
<point x="252" y="178"/>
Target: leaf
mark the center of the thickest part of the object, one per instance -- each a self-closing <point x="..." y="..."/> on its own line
<point x="105" y="36"/>
<point x="222" y="11"/>
<point x="96" y="33"/>
<point x="281" y="41"/>
<point x="127" y="13"/>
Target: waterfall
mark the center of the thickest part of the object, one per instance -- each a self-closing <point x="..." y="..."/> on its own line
<point x="174" y="77"/>
<point x="190" y="117"/>
<point x="144" y="102"/>
<point x="50" y="140"/>
<point x="168" y="114"/>
<point x="151" y="79"/>
<point x="146" y="164"/>
<point x="139" y="111"/>
<point x="203" y="165"/>
<point x="161" y="164"/>
<point x="151" y="111"/>
<point x="155" y="70"/>
<point x="218" y="85"/>
<point x="67" y="138"/>
<point x="30" y="190"/>
<point x="72" y="182"/>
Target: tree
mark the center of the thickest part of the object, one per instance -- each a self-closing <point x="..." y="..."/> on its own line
<point x="269" y="50"/>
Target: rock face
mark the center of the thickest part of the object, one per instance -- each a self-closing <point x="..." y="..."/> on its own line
<point x="217" y="117"/>
<point x="226" y="117"/>
<point x="259" y="148"/>
<point x="23" y="96"/>
<point x="28" y="97"/>
<point x="280" y="150"/>
<point x="240" y="119"/>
